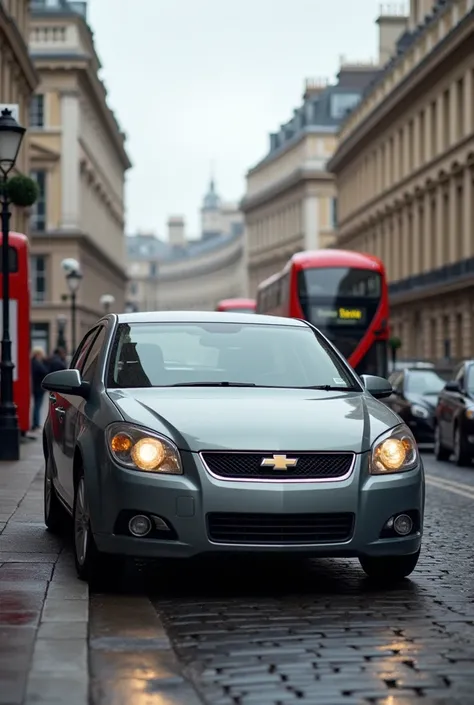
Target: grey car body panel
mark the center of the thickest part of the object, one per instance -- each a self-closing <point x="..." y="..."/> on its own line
<point x="235" y="419"/>
<point x="228" y="418"/>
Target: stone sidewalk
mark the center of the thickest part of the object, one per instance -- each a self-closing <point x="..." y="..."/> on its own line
<point x="43" y="607"/>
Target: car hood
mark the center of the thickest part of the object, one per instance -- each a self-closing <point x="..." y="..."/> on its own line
<point x="258" y="419"/>
<point x="429" y="401"/>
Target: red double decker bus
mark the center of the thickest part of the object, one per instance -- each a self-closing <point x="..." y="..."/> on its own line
<point x="237" y="305"/>
<point x="19" y="324"/>
<point x="344" y="294"/>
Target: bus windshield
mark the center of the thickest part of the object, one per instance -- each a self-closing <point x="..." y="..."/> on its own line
<point x="341" y="302"/>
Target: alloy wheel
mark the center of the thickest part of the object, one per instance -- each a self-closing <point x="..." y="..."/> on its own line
<point x="81" y="523"/>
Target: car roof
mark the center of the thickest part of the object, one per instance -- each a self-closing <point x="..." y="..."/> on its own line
<point x="207" y="317"/>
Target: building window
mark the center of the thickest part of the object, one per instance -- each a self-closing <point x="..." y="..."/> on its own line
<point x="37" y="111"/>
<point x="333" y="213"/>
<point x="39" y="334"/>
<point x="342" y="104"/>
<point x="153" y="270"/>
<point x="38" y="210"/>
<point x="38" y="278"/>
<point x="133" y="288"/>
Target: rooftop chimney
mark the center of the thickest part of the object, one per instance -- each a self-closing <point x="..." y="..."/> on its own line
<point x="392" y="22"/>
<point x="176" y="231"/>
<point x="314" y="86"/>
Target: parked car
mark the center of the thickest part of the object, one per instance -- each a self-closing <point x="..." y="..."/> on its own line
<point x="414" y="399"/>
<point x="410" y="364"/>
<point x="454" y="417"/>
<point x="178" y="434"/>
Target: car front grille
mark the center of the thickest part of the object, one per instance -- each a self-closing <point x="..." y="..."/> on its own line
<point x="248" y="466"/>
<point x="287" y="529"/>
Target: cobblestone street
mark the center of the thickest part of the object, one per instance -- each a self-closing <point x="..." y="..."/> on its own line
<point x="280" y="633"/>
<point x="225" y="633"/>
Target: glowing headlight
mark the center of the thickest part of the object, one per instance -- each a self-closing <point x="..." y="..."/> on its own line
<point x="470" y="414"/>
<point x="419" y="411"/>
<point x="136" y="449"/>
<point x="395" y="451"/>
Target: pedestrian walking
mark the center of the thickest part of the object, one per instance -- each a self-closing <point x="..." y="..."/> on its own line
<point x="39" y="370"/>
<point x="57" y="360"/>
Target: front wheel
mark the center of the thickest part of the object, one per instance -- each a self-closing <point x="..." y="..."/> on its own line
<point x="441" y="453"/>
<point x="91" y="565"/>
<point x="461" y="457"/>
<point x="54" y="514"/>
<point x="389" y="568"/>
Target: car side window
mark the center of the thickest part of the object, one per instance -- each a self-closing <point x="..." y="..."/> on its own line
<point x="83" y="349"/>
<point x="93" y="356"/>
<point x="460" y="376"/>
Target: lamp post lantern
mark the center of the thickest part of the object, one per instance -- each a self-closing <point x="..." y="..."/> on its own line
<point x="11" y="136"/>
<point x="106" y="301"/>
<point x="73" y="279"/>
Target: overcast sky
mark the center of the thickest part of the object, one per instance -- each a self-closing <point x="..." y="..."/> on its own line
<point x="201" y="82"/>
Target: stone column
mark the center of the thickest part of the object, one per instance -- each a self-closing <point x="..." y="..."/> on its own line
<point x="427" y="135"/>
<point x="311" y="221"/>
<point x="428" y="240"/>
<point x="415" y="238"/>
<point x="439" y="229"/>
<point x="453" y="235"/>
<point x="453" y="114"/>
<point x="440" y="125"/>
<point x="468" y="214"/>
<point x="468" y="102"/>
<point x="70" y="182"/>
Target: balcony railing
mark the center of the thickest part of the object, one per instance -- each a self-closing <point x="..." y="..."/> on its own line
<point x="446" y="275"/>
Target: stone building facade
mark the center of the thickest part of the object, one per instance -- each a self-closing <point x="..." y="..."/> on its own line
<point x="404" y="172"/>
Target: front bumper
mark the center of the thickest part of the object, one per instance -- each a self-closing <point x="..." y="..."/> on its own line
<point x="185" y="502"/>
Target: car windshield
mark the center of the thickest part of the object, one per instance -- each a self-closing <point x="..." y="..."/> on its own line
<point x="167" y="354"/>
<point x="424" y="382"/>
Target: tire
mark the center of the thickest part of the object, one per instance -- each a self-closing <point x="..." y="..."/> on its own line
<point x="389" y="568"/>
<point x="92" y="566"/>
<point x="440" y="452"/>
<point x="460" y="456"/>
<point x="54" y="514"/>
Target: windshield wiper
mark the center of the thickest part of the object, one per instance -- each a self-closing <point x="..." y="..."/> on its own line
<point x="213" y="384"/>
<point x="332" y="388"/>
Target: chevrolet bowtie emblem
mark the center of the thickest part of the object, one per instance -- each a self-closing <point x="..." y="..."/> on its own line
<point x="279" y="462"/>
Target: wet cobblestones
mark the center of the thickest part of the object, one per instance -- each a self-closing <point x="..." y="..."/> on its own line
<point x="283" y="633"/>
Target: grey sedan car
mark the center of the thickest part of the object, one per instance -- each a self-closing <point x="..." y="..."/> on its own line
<point x="183" y="434"/>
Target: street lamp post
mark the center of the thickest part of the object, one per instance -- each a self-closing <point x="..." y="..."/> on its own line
<point x="106" y="301"/>
<point x="11" y="136"/>
<point x="73" y="273"/>
<point x="62" y="321"/>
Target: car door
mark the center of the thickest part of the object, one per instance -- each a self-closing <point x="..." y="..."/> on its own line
<point x="72" y="420"/>
<point x="451" y="403"/>
<point x="60" y="405"/>
<point x="396" y="401"/>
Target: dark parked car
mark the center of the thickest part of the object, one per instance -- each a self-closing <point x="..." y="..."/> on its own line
<point x="414" y="399"/>
<point x="454" y="417"/>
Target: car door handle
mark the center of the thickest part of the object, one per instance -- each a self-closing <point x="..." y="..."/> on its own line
<point x="60" y="412"/>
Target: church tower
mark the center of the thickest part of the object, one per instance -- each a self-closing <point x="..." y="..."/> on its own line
<point x="211" y="213"/>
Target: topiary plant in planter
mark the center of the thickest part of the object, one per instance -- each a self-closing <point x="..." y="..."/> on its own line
<point x="394" y="344"/>
<point x="21" y="191"/>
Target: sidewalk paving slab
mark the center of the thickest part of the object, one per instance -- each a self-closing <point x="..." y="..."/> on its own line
<point x="43" y="607"/>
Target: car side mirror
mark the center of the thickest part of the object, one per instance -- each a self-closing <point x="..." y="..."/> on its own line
<point x="379" y="387"/>
<point x="452" y="387"/>
<point x="66" y="382"/>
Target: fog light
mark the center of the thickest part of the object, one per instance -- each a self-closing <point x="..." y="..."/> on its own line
<point x="139" y="525"/>
<point x="403" y="524"/>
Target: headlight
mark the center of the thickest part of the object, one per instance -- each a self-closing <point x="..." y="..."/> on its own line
<point x="137" y="449"/>
<point x="395" y="451"/>
<point x="419" y="411"/>
<point x="470" y="414"/>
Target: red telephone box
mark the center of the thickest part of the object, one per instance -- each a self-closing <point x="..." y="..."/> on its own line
<point x="19" y="325"/>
